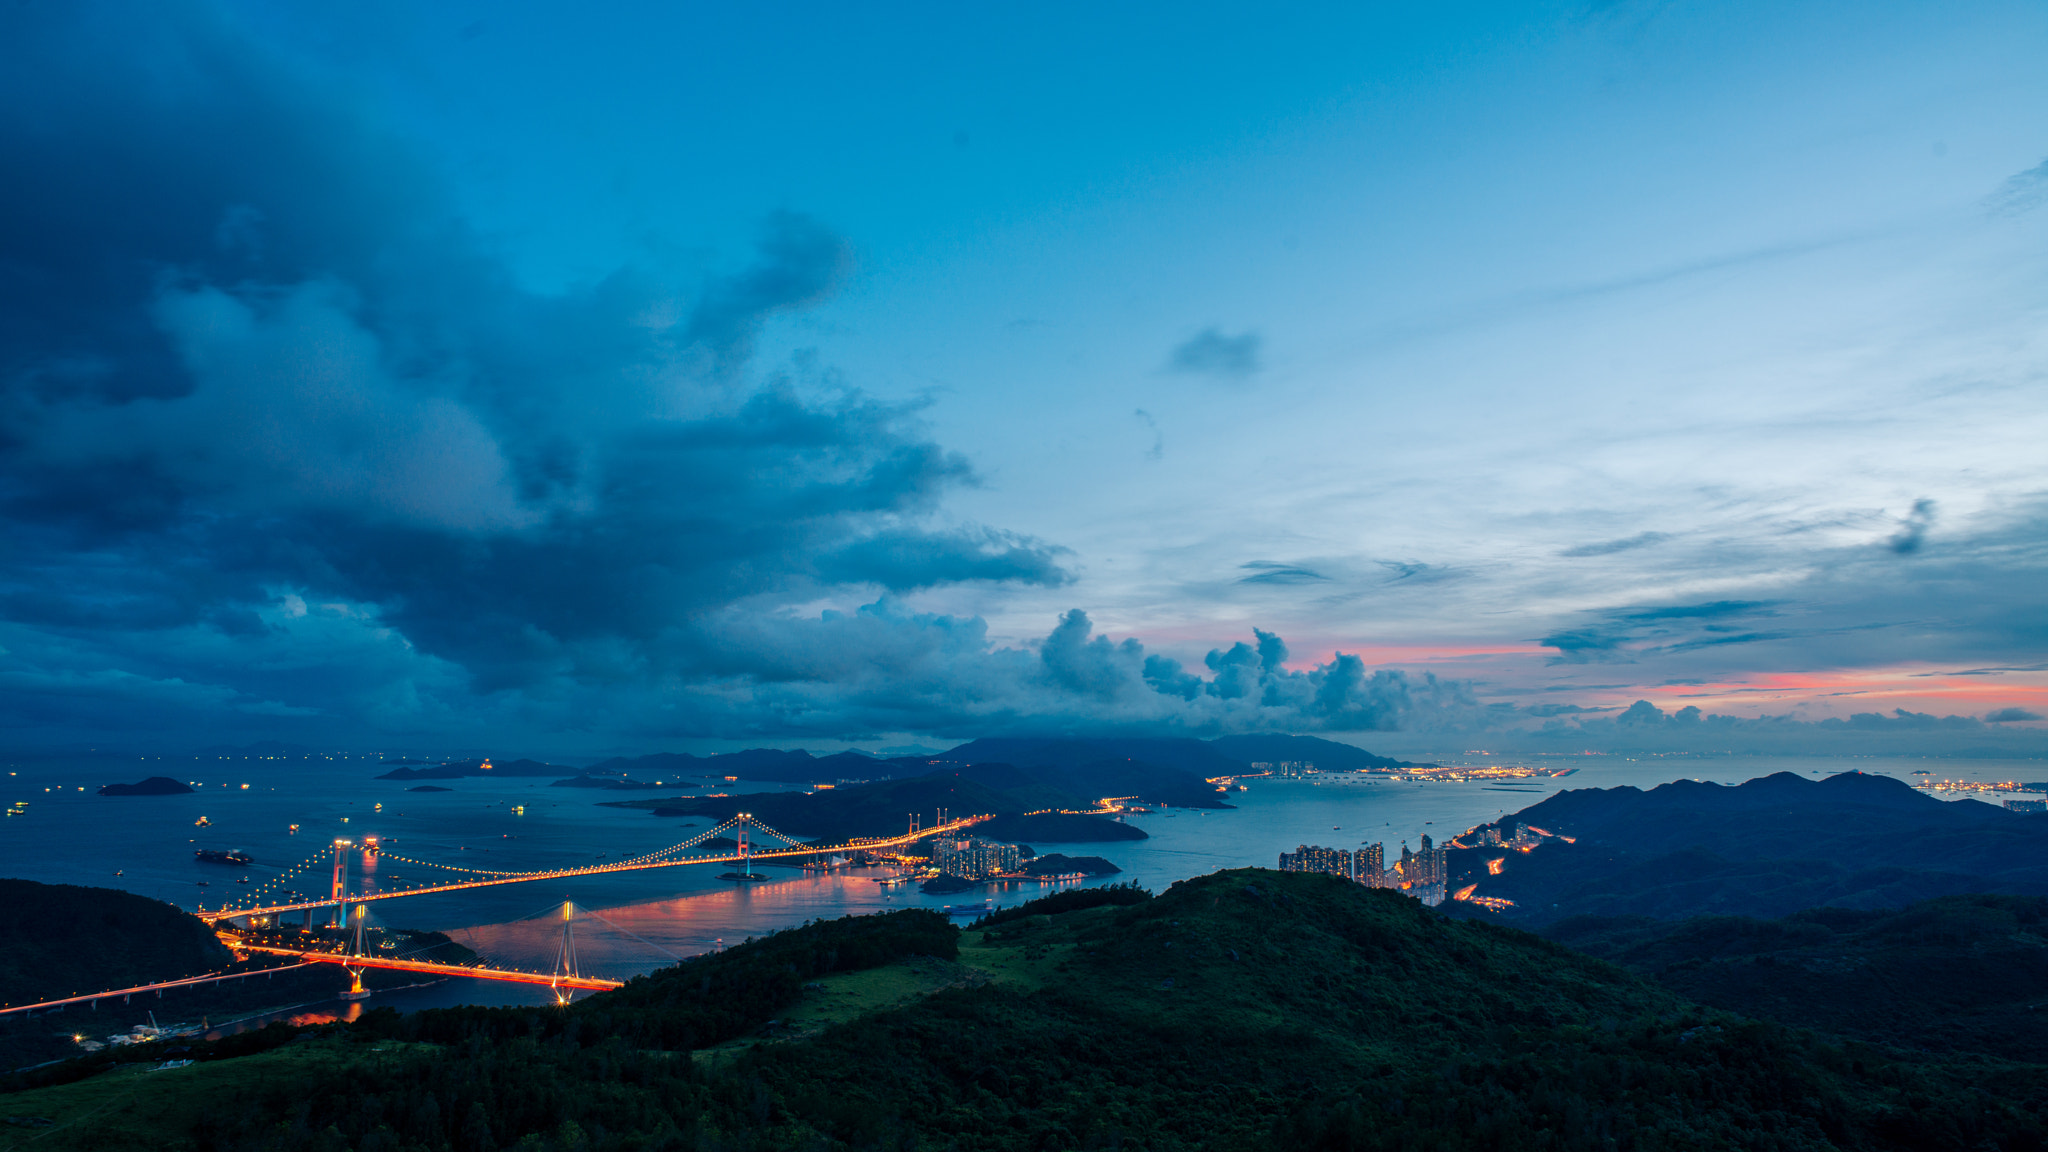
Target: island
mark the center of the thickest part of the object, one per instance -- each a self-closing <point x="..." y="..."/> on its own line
<point x="1054" y="864"/>
<point x="1031" y="804"/>
<point x="154" y="786"/>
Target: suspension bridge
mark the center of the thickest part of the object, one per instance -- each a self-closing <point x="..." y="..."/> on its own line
<point x="356" y="958"/>
<point x="742" y="827"/>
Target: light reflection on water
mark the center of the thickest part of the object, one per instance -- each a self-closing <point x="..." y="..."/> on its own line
<point x="71" y="836"/>
<point x="623" y="941"/>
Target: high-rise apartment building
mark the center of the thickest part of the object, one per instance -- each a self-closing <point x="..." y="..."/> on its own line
<point x="1312" y="858"/>
<point x="976" y="859"/>
<point x="1371" y="861"/>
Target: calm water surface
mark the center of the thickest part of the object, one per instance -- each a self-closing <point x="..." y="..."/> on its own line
<point x="644" y="920"/>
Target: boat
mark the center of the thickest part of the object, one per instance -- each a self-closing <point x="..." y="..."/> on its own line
<point x="204" y="884"/>
<point x="202" y="822"/>
<point x="211" y="856"/>
<point x="243" y="880"/>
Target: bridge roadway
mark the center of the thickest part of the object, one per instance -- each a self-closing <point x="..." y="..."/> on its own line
<point x="638" y="864"/>
<point x="509" y="975"/>
<point x="94" y="998"/>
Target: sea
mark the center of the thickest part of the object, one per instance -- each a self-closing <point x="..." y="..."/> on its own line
<point x="284" y="813"/>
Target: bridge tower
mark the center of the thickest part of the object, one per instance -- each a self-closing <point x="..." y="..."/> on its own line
<point x="356" y="991"/>
<point x="340" y="882"/>
<point x="565" y="956"/>
<point x="746" y="849"/>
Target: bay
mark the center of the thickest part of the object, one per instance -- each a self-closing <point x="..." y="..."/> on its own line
<point x="636" y="922"/>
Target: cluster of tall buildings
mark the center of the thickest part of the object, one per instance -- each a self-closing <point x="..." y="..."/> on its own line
<point x="1285" y="767"/>
<point x="976" y="859"/>
<point x="1524" y="837"/>
<point x="1420" y="874"/>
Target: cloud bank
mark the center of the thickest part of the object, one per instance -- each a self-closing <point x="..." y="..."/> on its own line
<point x="260" y="385"/>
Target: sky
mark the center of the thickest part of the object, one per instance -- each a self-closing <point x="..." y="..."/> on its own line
<point x="701" y="376"/>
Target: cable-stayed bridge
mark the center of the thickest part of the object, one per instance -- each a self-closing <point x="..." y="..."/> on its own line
<point x="355" y="958"/>
<point x="743" y="828"/>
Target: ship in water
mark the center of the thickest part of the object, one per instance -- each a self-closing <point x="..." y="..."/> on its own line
<point x="211" y="856"/>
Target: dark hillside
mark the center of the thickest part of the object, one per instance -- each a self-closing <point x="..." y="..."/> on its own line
<point x="1769" y="847"/>
<point x="1060" y="828"/>
<point x="769" y="765"/>
<point x="60" y="940"/>
<point x="881" y="808"/>
<point x="458" y="769"/>
<point x="1863" y="820"/>
<point x="1242" y="1010"/>
<point x="1960" y="974"/>
<point x="878" y="809"/>
<point x="1326" y="755"/>
<point x="1165" y="771"/>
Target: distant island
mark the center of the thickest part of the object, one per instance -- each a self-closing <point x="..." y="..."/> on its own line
<point x="457" y="769"/>
<point x="1055" y="790"/>
<point x="1228" y="756"/>
<point x="1054" y="864"/>
<point x="878" y="809"/>
<point x="154" y="786"/>
<point x="430" y="788"/>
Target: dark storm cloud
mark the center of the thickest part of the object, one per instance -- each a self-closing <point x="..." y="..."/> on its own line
<point x="1274" y="572"/>
<point x="289" y="452"/>
<point x="800" y="263"/>
<point x="252" y="360"/>
<point x="1624" y="634"/>
<point x="1211" y="353"/>
<point x="1548" y="710"/>
<point x="1708" y="611"/>
<point x="1610" y="547"/>
<point x="1912" y="531"/>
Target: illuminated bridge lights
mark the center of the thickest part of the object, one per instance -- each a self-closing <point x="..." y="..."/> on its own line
<point x="666" y="858"/>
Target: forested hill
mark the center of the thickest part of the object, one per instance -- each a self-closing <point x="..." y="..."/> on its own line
<point x="1242" y="1010"/>
<point x="1326" y="755"/>
<point x="879" y="808"/>
<point x="60" y="940"/>
<point x="769" y="765"/>
<point x="1768" y="847"/>
<point x="1169" y="770"/>
<point x="1958" y="974"/>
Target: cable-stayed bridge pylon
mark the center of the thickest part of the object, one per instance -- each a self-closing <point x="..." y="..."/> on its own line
<point x="675" y="855"/>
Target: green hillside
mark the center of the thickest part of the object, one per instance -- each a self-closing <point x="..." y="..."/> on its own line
<point x="1958" y="974"/>
<point x="1242" y="1010"/>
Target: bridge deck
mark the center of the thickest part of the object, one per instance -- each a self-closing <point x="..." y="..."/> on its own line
<point x="96" y="997"/>
<point x="509" y="975"/>
<point x="638" y="864"/>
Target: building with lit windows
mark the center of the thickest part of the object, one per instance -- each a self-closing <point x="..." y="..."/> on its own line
<point x="976" y="859"/>
<point x="1311" y="858"/>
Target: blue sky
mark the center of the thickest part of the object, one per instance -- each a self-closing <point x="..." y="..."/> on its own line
<point x="675" y="376"/>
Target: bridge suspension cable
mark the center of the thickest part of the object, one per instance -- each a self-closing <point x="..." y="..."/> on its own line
<point x="671" y="856"/>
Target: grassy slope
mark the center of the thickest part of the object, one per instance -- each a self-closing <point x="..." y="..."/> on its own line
<point x="134" y="1106"/>
<point x="1241" y="1010"/>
